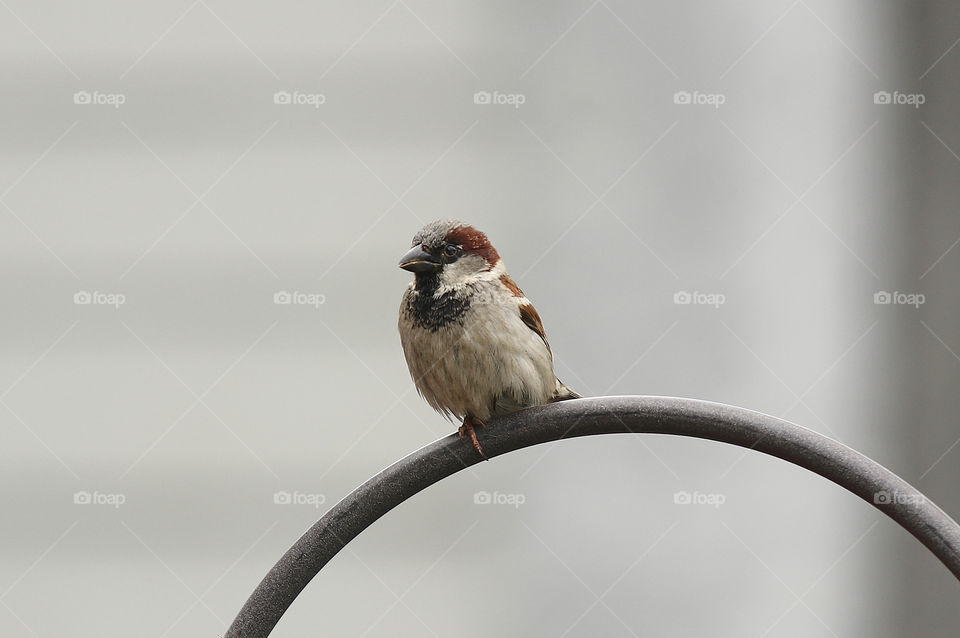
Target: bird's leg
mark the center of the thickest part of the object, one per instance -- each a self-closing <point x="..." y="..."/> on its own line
<point x="467" y="428"/>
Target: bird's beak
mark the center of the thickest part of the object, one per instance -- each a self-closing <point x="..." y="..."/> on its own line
<point x="419" y="260"/>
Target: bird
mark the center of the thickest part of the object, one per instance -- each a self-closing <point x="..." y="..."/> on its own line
<point x="474" y="344"/>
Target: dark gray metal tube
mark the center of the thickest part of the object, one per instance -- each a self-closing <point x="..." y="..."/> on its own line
<point x="585" y="417"/>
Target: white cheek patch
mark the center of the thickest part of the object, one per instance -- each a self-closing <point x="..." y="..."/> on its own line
<point x="467" y="270"/>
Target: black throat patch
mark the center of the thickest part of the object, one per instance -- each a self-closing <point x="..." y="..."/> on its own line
<point x="434" y="312"/>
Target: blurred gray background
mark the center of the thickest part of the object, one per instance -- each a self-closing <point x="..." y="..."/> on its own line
<point x="177" y="165"/>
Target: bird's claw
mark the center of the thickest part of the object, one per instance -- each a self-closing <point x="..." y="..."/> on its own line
<point x="467" y="428"/>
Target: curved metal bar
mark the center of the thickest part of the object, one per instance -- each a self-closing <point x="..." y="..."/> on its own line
<point x="586" y="417"/>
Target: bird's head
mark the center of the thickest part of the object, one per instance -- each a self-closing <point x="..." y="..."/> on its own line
<point x="452" y="251"/>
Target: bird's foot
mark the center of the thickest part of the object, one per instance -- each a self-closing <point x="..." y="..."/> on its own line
<point x="467" y="428"/>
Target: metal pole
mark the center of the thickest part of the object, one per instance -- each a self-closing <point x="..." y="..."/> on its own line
<point x="586" y="417"/>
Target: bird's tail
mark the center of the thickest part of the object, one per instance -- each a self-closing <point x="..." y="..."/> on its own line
<point x="563" y="393"/>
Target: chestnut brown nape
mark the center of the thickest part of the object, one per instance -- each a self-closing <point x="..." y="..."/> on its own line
<point x="473" y="241"/>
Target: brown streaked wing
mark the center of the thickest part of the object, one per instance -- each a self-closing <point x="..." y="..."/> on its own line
<point x="511" y="285"/>
<point x="528" y="314"/>
<point x="531" y="317"/>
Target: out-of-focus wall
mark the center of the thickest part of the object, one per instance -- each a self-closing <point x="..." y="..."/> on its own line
<point x="702" y="199"/>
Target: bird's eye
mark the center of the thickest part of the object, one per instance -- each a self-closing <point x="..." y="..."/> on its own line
<point x="451" y="250"/>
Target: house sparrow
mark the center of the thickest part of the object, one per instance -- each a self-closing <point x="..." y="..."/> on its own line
<point x="474" y="344"/>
